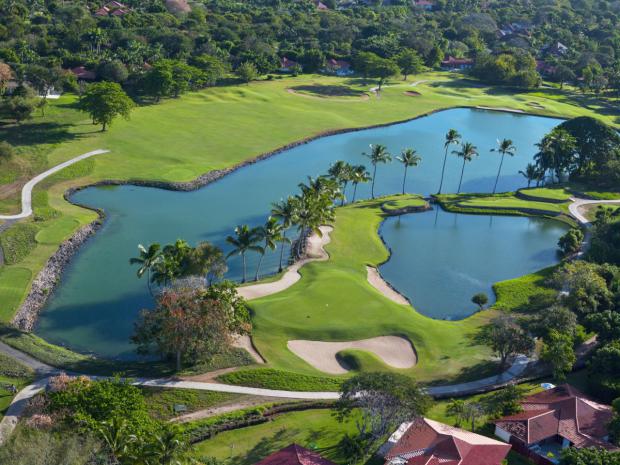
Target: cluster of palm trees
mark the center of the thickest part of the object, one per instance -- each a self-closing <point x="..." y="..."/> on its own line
<point x="307" y="212"/>
<point x="379" y="155"/>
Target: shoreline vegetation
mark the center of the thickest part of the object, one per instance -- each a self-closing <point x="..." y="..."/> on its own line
<point x="67" y="186"/>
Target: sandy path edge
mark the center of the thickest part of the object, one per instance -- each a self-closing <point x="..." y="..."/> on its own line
<point x="376" y="281"/>
<point x="395" y="351"/>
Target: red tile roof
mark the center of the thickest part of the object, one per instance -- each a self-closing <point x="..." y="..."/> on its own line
<point x="561" y="411"/>
<point x="285" y="63"/>
<point x="427" y="442"/>
<point x="82" y="73"/>
<point x="294" y="455"/>
<point x="450" y="61"/>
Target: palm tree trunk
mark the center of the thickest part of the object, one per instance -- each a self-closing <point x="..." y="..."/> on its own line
<point x="148" y="282"/>
<point x="443" y="170"/>
<point x="404" y="179"/>
<point x="344" y="188"/>
<point x="461" y="181"/>
<point x="498" y="173"/>
<point x="243" y="258"/>
<point x="282" y="251"/>
<point x="354" y="191"/>
<point x="374" y="175"/>
<point x="260" y="260"/>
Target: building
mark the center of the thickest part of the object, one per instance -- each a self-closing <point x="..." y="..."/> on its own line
<point x="338" y="67"/>
<point x="288" y="66"/>
<point x="320" y="5"/>
<point x="545" y="69"/>
<point x="451" y="63"/>
<point x="83" y="74"/>
<point x="554" y="419"/>
<point x="424" y="4"/>
<point x="294" y="455"/>
<point x="558" y="49"/>
<point x="112" y="9"/>
<point x="428" y="442"/>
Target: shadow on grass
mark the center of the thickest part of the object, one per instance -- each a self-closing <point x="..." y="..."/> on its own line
<point x="267" y="445"/>
<point x="328" y="90"/>
<point x="33" y="133"/>
<point x="480" y="370"/>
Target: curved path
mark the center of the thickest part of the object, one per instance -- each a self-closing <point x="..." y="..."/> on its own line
<point x="314" y="252"/>
<point x="577" y="204"/>
<point x="27" y="189"/>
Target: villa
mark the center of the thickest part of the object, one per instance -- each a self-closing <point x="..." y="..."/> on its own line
<point x="338" y="67"/>
<point x="294" y="455"/>
<point x="428" y="442"/>
<point x="287" y="65"/>
<point x="83" y="74"/>
<point x="452" y="63"/>
<point x="425" y="4"/>
<point x="554" y="419"/>
<point x="557" y="48"/>
<point x="113" y="9"/>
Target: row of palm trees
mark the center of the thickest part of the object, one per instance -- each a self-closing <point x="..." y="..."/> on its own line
<point x="307" y="212"/>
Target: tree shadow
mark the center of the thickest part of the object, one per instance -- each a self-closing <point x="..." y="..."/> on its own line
<point x="267" y="445"/>
<point x="328" y="90"/>
<point x="32" y="133"/>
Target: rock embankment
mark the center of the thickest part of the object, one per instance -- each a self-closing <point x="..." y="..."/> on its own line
<point x="43" y="285"/>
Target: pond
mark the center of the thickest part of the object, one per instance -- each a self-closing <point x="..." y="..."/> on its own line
<point x="442" y="259"/>
<point x="95" y="305"/>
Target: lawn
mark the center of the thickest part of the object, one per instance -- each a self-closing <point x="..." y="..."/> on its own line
<point x="182" y="138"/>
<point x="559" y="194"/>
<point x="12" y="373"/>
<point x="404" y="202"/>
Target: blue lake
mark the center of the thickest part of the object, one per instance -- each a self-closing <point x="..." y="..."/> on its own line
<point x="95" y="305"/>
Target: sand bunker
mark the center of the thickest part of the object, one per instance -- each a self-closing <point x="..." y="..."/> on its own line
<point x="314" y="252"/>
<point x="376" y="281"/>
<point x="395" y="351"/>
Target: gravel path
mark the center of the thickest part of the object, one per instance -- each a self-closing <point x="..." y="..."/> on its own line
<point x="27" y="189"/>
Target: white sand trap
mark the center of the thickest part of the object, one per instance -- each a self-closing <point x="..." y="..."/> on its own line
<point x="314" y="252"/>
<point x="395" y="351"/>
<point x="376" y="281"/>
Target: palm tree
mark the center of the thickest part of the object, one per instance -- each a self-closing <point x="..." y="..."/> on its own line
<point x="285" y="212"/>
<point x="531" y="173"/>
<point x="504" y="147"/>
<point x="359" y="175"/>
<point x="378" y="154"/>
<point x="245" y="240"/>
<point x="271" y="233"/>
<point x="408" y="157"/>
<point x="452" y="137"/>
<point x="147" y="259"/>
<point x="467" y="153"/>
<point x="342" y="172"/>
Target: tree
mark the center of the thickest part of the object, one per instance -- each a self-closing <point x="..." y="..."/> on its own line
<point x="342" y="172"/>
<point x="467" y="152"/>
<point x="147" y="259"/>
<point x="244" y="241"/>
<point x="360" y="175"/>
<point x="506" y="339"/>
<point x="589" y="456"/>
<point x="104" y="101"/>
<point x="6" y="74"/>
<point x="113" y="70"/>
<point x="271" y="234"/>
<point x="585" y="290"/>
<point x="556" y="317"/>
<point x="504" y="147"/>
<point x="571" y="241"/>
<point x="20" y="108"/>
<point x="44" y="79"/>
<point x="186" y="323"/>
<point x="556" y="152"/>
<point x="6" y="151"/>
<point x="506" y="401"/>
<point x="531" y="173"/>
<point x="207" y="260"/>
<point x="452" y="138"/>
<point x="384" y="401"/>
<point x="212" y="67"/>
<point x="603" y="369"/>
<point x="247" y="72"/>
<point x="175" y="263"/>
<point x="408" y="158"/>
<point x="409" y="62"/>
<point x="480" y="299"/>
<point x="382" y="69"/>
<point x="605" y="324"/>
<point x="285" y="212"/>
<point x="558" y="352"/>
<point x="159" y="80"/>
<point x="563" y="74"/>
<point x="378" y="154"/>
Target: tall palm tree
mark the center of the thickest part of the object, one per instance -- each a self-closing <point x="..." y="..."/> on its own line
<point x="244" y="241"/>
<point x="285" y="212"/>
<point x="378" y="154"/>
<point x="452" y="138"/>
<point x="408" y="157"/>
<point x="360" y="175"/>
<point x="504" y="147"/>
<point x="271" y="234"/>
<point x="342" y="172"/>
<point x="147" y="259"/>
<point x="467" y="153"/>
<point x="531" y="173"/>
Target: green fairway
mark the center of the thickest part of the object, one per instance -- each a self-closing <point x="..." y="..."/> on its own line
<point x="546" y="194"/>
<point x="182" y="138"/>
<point x="404" y="202"/>
<point x="334" y="301"/>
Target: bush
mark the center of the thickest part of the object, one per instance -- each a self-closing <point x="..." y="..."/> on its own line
<point x="6" y="151"/>
<point x="570" y="242"/>
<point x="269" y="378"/>
<point x="18" y="241"/>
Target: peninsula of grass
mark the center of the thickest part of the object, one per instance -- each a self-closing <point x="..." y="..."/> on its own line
<point x="545" y="194"/>
<point x="180" y="139"/>
<point x="407" y="203"/>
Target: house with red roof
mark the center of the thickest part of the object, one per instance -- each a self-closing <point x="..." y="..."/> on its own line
<point x="112" y="9"/>
<point x="287" y="65"/>
<point x="427" y="5"/>
<point x="554" y="419"/>
<point x="320" y="5"/>
<point x="452" y="63"/>
<point x="294" y="455"/>
<point x="428" y="442"/>
<point x="338" y="67"/>
<point x="83" y="74"/>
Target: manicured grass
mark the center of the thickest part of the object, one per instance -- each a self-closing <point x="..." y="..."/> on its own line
<point x="334" y="301"/>
<point x="515" y="294"/>
<point x="547" y="193"/>
<point x="18" y="241"/>
<point x="278" y="379"/>
<point x="591" y="210"/>
<point x="161" y="401"/>
<point x="180" y="139"/>
<point x="315" y="429"/>
<point x="404" y="202"/>
<point x="11" y="373"/>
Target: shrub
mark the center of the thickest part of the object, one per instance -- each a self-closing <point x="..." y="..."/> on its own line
<point x="269" y="378"/>
<point x="18" y="241"/>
